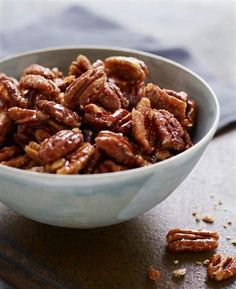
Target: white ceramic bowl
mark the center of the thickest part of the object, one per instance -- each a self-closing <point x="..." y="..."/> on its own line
<point x="88" y="201"/>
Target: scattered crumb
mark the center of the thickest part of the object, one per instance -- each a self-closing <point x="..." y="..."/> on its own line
<point x="220" y="202"/>
<point x="212" y="196"/>
<point x="206" y="262"/>
<point x="199" y="263"/>
<point x="194" y="213"/>
<point x="228" y="238"/>
<point x="229" y="223"/>
<point x="153" y="273"/>
<point x="208" y="219"/>
<point x="225" y="226"/>
<point x="233" y="242"/>
<point x="176" y="262"/>
<point x="180" y="272"/>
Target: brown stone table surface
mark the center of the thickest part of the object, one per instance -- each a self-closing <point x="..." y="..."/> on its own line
<point x="33" y="255"/>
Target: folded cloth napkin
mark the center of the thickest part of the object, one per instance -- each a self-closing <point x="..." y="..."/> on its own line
<point x="78" y="25"/>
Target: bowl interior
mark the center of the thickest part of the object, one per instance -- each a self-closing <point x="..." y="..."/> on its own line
<point x="161" y="71"/>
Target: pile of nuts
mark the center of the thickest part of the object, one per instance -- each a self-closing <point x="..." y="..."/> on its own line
<point x="101" y="117"/>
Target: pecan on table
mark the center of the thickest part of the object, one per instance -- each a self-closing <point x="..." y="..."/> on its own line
<point x="59" y="112"/>
<point x="60" y="144"/>
<point x="126" y="68"/>
<point x="191" y="240"/>
<point x="40" y="84"/>
<point x="7" y="153"/>
<point x="78" y="160"/>
<point x="220" y="268"/>
<point x="27" y="116"/>
<point x="5" y="126"/>
<point x="141" y="124"/>
<point x="168" y="130"/>
<point x="79" y="66"/>
<point x="85" y="89"/>
<point x="117" y="147"/>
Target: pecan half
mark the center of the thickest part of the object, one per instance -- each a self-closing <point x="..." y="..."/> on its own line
<point x="109" y="166"/>
<point x="117" y="147"/>
<point x="141" y="124"/>
<point x="11" y="94"/>
<point x="79" y="66"/>
<point x="122" y="122"/>
<point x="126" y="68"/>
<point x="220" y="268"/>
<point x="37" y="69"/>
<point x="5" y="126"/>
<point x="27" y="116"/>
<point x="59" y="112"/>
<point x="168" y="130"/>
<point x="191" y="240"/>
<point x="160" y="99"/>
<point x="78" y="160"/>
<point x="60" y="144"/>
<point x="17" y="162"/>
<point x="40" y="84"/>
<point x="97" y="118"/>
<point x="32" y="151"/>
<point x="84" y="90"/>
<point x="7" y="153"/>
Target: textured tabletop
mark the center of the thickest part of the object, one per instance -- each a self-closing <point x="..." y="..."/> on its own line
<point x="34" y="256"/>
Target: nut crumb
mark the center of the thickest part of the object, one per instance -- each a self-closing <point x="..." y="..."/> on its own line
<point x="199" y="263"/>
<point x="225" y="226"/>
<point x="220" y="202"/>
<point x="212" y="196"/>
<point x="197" y="218"/>
<point x="194" y="213"/>
<point x="228" y="238"/>
<point x="229" y="223"/>
<point x="179" y="273"/>
<point x="208" y="219"/>
<point x="233" y="242"/>
<point x="153" y="273"/>
<point x="176" y="262"/>
<point x="206" y="262"/>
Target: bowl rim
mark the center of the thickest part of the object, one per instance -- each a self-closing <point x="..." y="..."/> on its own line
<point x="134" y="171"/>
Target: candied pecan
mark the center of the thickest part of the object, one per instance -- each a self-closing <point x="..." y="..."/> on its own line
<point x="5" y="102"/>
<point x="191" y="114"/>
<point x="78" y="160"/>
<point x="37" y="69"/>
<point x="41" y="134"/>
<point x="191" y="240"/>
<point x="17" y="162"/>
<point x="59" y="145"/>
<point x="153" y="273"/>
<point x="54" y="166"/>
<point x="117" y="147"/>
<point x="79" y="66"/>
<point x="133" y="93"/>
<point x="63" y="83"/>
<point x="39" y="83"/>
<point x="109" y="166"/>
<point x="160" y="99"/>
<point x="27" y="116"/>
<point x="126" y="68"/>
<point x="37" y="169"/>
<point x="220" y="268"/>
<point x="11" y="94"/>
<point x="122" y="122"/>
<point x="7" y="153"/>
<point x="84" y="89"/>
<point x="110" y="97"/>
<point x="99" y="63"/>
<point x="59" y="112"/>
<point x="5" y="126"/>
<point x="160" y="154"/>
<point x="141" y="124"/>
<point x="97" y="117"/>
<point x="32" y="151"/>
<point x="168" y="130"/>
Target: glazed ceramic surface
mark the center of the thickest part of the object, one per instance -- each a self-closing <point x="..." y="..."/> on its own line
<point x="88" y="201"/>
